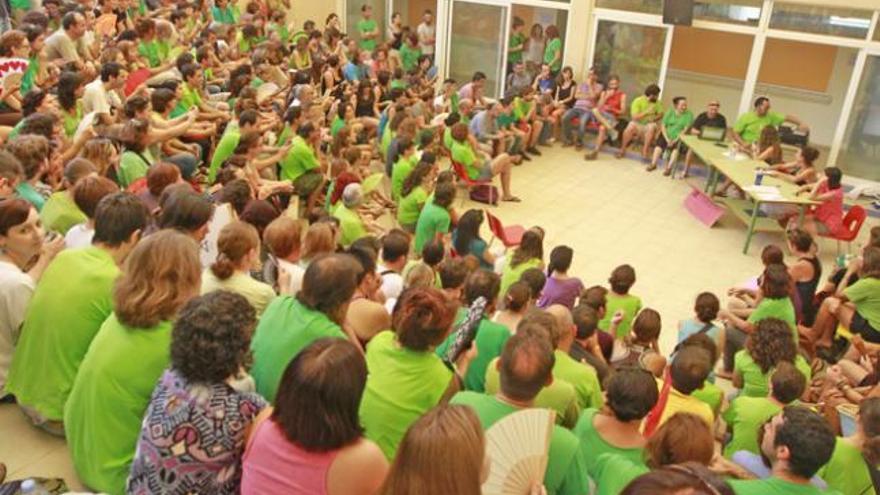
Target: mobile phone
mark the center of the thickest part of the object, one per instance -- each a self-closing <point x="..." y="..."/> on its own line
<point x="465" y="332"/>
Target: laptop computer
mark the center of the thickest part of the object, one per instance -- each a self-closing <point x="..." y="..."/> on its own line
<point x="716" y="134"/>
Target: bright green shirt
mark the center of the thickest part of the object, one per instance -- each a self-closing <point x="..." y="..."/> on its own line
<point x="401" y="386"/>
<point x="629" y="304"/>
<point x="351" y="226"/>
<point x="150" y="51"/>
<point x="559" y="396"/>
<point x="582" y="376"/>
<point x="780" y="308"/>
<point x="132" y="167"/>
<point x="336" y="125"/>
<point x="409" y="57"/>
<point x="225" y="148"/>
<point x="551" y="51"/>
<point x="615" y="471"/>
<point x="744" y="418"/>
<point x="711" y="394"/>
<point x="189" y="98"/>
<point x="59" y="326"/>
<point x="367" y="26"/>
<point x="464" y="154"/>
<point x="433" y="220"/>
<point x="490" y="340"/>
<point x="846" y="471"/>
<point x="521" y="108"/>
<point x="676" y="123"/>
<point x="60" y="213"/>
<point x="299" y="159"/>
<point x="225" y="15"/>
<point x="865" y="294"/>
<point x="400" y="172"/>
<point x="70" y="120"/>
<point x="28" y="80"/>
<point x="105" y="409"/>
<point x="411" y="205"/>
<point x="286" y="328"/>
<point x="566" y="473"/>
<point x="757" y="384"/>
<point x="642" y="104"/>
<point x="447" y="138"/>
<point x="387" y="137"/>
<point x="593" y="445"/>
<point x="749" y="125"/>
<point x="516" y="39"/>
<point x="775" y="486"/>
<point x="511" y="274"/>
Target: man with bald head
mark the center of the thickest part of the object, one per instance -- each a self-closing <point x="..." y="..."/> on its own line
<point x="581" y="376"/>
<point x="526" y="366"/>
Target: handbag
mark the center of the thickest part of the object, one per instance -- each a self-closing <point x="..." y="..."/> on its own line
<point x="484" y="193"/>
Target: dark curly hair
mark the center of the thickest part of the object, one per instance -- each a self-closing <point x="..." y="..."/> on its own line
<point x="211" y="338"/>
<point x="771" y="343"/>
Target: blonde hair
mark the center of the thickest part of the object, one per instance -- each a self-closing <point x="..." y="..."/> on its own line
<point x="161" y="274"/>
<point x="319" y="239"/>
<point x="98" y="151"/>
<point x="442" y="452"/>
<point x="420" y="275"/>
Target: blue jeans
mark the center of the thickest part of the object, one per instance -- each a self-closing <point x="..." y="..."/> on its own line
<point x="585" y="116"/>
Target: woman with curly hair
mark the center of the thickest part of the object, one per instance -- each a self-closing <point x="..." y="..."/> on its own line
<point x="771" y="344"/>
<point x="209" y="346"/>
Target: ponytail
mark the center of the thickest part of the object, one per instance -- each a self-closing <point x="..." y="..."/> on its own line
<point x="223" y="268"/>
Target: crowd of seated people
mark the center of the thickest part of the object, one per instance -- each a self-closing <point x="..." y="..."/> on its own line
<point x="231" y="261"/>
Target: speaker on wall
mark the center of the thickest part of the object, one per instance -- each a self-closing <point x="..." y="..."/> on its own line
<point x="678" y="12"/>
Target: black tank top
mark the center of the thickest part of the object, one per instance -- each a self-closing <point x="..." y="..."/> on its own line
<point x="807" y="290"/>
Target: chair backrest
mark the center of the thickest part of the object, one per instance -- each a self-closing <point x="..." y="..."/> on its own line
<point x="854" y="219"/>
<point x="495" y="226"/>
<point x="458" y="168"/>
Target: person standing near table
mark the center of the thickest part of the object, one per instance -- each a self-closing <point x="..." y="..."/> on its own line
<point x="749" y="125"/>
<point x="712" y="117"/>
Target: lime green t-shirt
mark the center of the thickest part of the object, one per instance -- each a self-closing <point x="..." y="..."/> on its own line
<point x="744" y="418"/>
<point x="366" y="26"/>
<point x="749" y="125"/>
<point x="464" y="154"/>
<point x="846" y="471"/>
<point x="189" y="98"/>
<point x="566" y="473"/>
<point x="780" y="308"/>
<point x="642" y="104"/>
<point x="105" y="408"/>
<point x="521" y="108"/>
<point x="775" y="486"/>
<point x="286" y="328"/>
<point x="865" y="294"/>
<point x="150" y="51"/>
<point x="582" y="376"/>
<point x="511" y="274"/>
<point x="593" y="445"/>
<point x="516" y="39"/>
<point x="60" y="213"/>
<point x="226" y="15"/>
<point x="676" y="123"/>
<point x="711" y="394"/>
<point x="409" y="57"/>
<point x="490" y="340"/>
<point x="400" y="172"/>
<point x="551" y="51"/>
<point x="336" y="125"/>
<point x="59" y="327"/>
<point x="433" y="220"/>
<point x="401" y="386"/>
<point x="133" y="166"/>
<point x="70" y="120"/>
<point x="351" y="226"/>
<point x="225" y="148"/>
<point x="299" y="159"/>
<point x="629" y="304"/>
<point x="447" y="138"/>
<point x="615" y="471"/>
<point x="757" y="384"/>
<point x="411" y="205"/>
<point x="559" y="396"/>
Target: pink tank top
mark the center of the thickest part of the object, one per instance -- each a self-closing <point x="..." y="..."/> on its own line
<point x="271" y="464"/>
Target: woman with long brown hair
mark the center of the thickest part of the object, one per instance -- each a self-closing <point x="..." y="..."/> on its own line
<point x="112" y="388"/>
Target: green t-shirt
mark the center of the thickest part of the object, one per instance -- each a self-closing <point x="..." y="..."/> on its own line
<point x="566" y="473"/>
<point x="711" y="394"/>
<point x="775" y="486"/>
<point x="285" y="329"/>
<point x="411" y="205"/>
<point x="490" y="340"/>
<point x="409" y="57"/>
<point x="225" y="148"/>
<point x="744" y="418"/>
<point x="27" y="192"/>
<point x="447" y="138"/>
<point x="865" y="294"/>
<point x="629" y="304"/>
<point x="749" y="125"/>
<point x="553" y="48"/>
<point x="59" y="326"/>
<point x="29" y="79"/>
<point x="516" y="39"/>
<point x="757" y="384"/>
<point x="433" y="220"/>
<point x="642" y="104"/>
<point x="559" y="396"/>
<point x="615" y="471"/>
<point x="60" y="213"/>
<point x="150" y="51"/>
<point x="70" y="119"/>
<point x="401" y="386"/>
<point x="351" y="226"/>
<point x="582" y="376"/>
<point x="676" y="123"/>
<point x="400" y="172"/>
<point x="522" y="108"/>
<point x="337" y="125"/>
<point x="780" y="308"/>
<point x="299" y="159"/>
<point x="133" y="166"/>
<point x="105" y="409"/>
<point x="387" y="137"/>
<point x="846" y="471"/>
<point x="511" y="274"/>
<point x="593" y="445"/>
<point x="225" y="15"/>
<point x="285" y="135"/>
<point x="463" y="153"/>
<point x="189" y="98"/>
<point x="367" y="26"/>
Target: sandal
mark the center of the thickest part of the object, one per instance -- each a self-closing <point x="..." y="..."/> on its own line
<point x="512" y="199"/>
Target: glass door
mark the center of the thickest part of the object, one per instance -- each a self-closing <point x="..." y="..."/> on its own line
<point x="634" y="52"/>
<point x="860" y="153"/>
<point x="477" y="43"/>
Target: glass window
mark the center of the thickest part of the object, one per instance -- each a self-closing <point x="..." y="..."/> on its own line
<point x="850" y="23"/>
<point x="647" y="6"/>
<point x="631" y="51"/>
<point x="536" y="20"/>
<point x="860" y="154"/>
<point x="746" y="12"/>
<point x="476" y="44"/>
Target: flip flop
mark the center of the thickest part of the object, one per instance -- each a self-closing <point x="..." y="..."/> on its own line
<point x="512" y="199"/>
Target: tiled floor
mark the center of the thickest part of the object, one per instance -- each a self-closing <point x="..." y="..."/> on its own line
<point x="610" y="211"/>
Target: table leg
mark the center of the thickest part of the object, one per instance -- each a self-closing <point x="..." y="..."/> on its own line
<point x="755" y="207"/>
<point x="710" y="178"/>
<point x="801" y="213"/>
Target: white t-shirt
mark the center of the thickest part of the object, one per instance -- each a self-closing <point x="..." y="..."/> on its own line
<point x="79" y="236"/>
<point x="296" y="275"/>
<point x="392" y="283"/>
<point x="426" y="32"/>
<point x="98" y="99"/>
<point x="16" y="289"/>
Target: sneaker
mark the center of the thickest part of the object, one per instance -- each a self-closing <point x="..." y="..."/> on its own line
<point x="534" y="151"/>
<point x="591" y="155"/>
<point x="613" y="134"/>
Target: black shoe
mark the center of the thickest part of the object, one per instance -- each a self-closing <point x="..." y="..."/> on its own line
<point x="525" y="157"/>
<point x="534" y="151"/>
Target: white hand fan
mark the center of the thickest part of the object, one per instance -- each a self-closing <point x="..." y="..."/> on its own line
<point x="517" y="447"/>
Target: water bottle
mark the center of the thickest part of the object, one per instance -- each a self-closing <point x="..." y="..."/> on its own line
<point x="31" y="487"/>
<point x="759" y="176"/>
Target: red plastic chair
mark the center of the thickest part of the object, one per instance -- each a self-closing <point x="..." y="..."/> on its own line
<point x="469" y="183"/>
<point x="510" y="235"/>
<point x="852" y="224"/>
